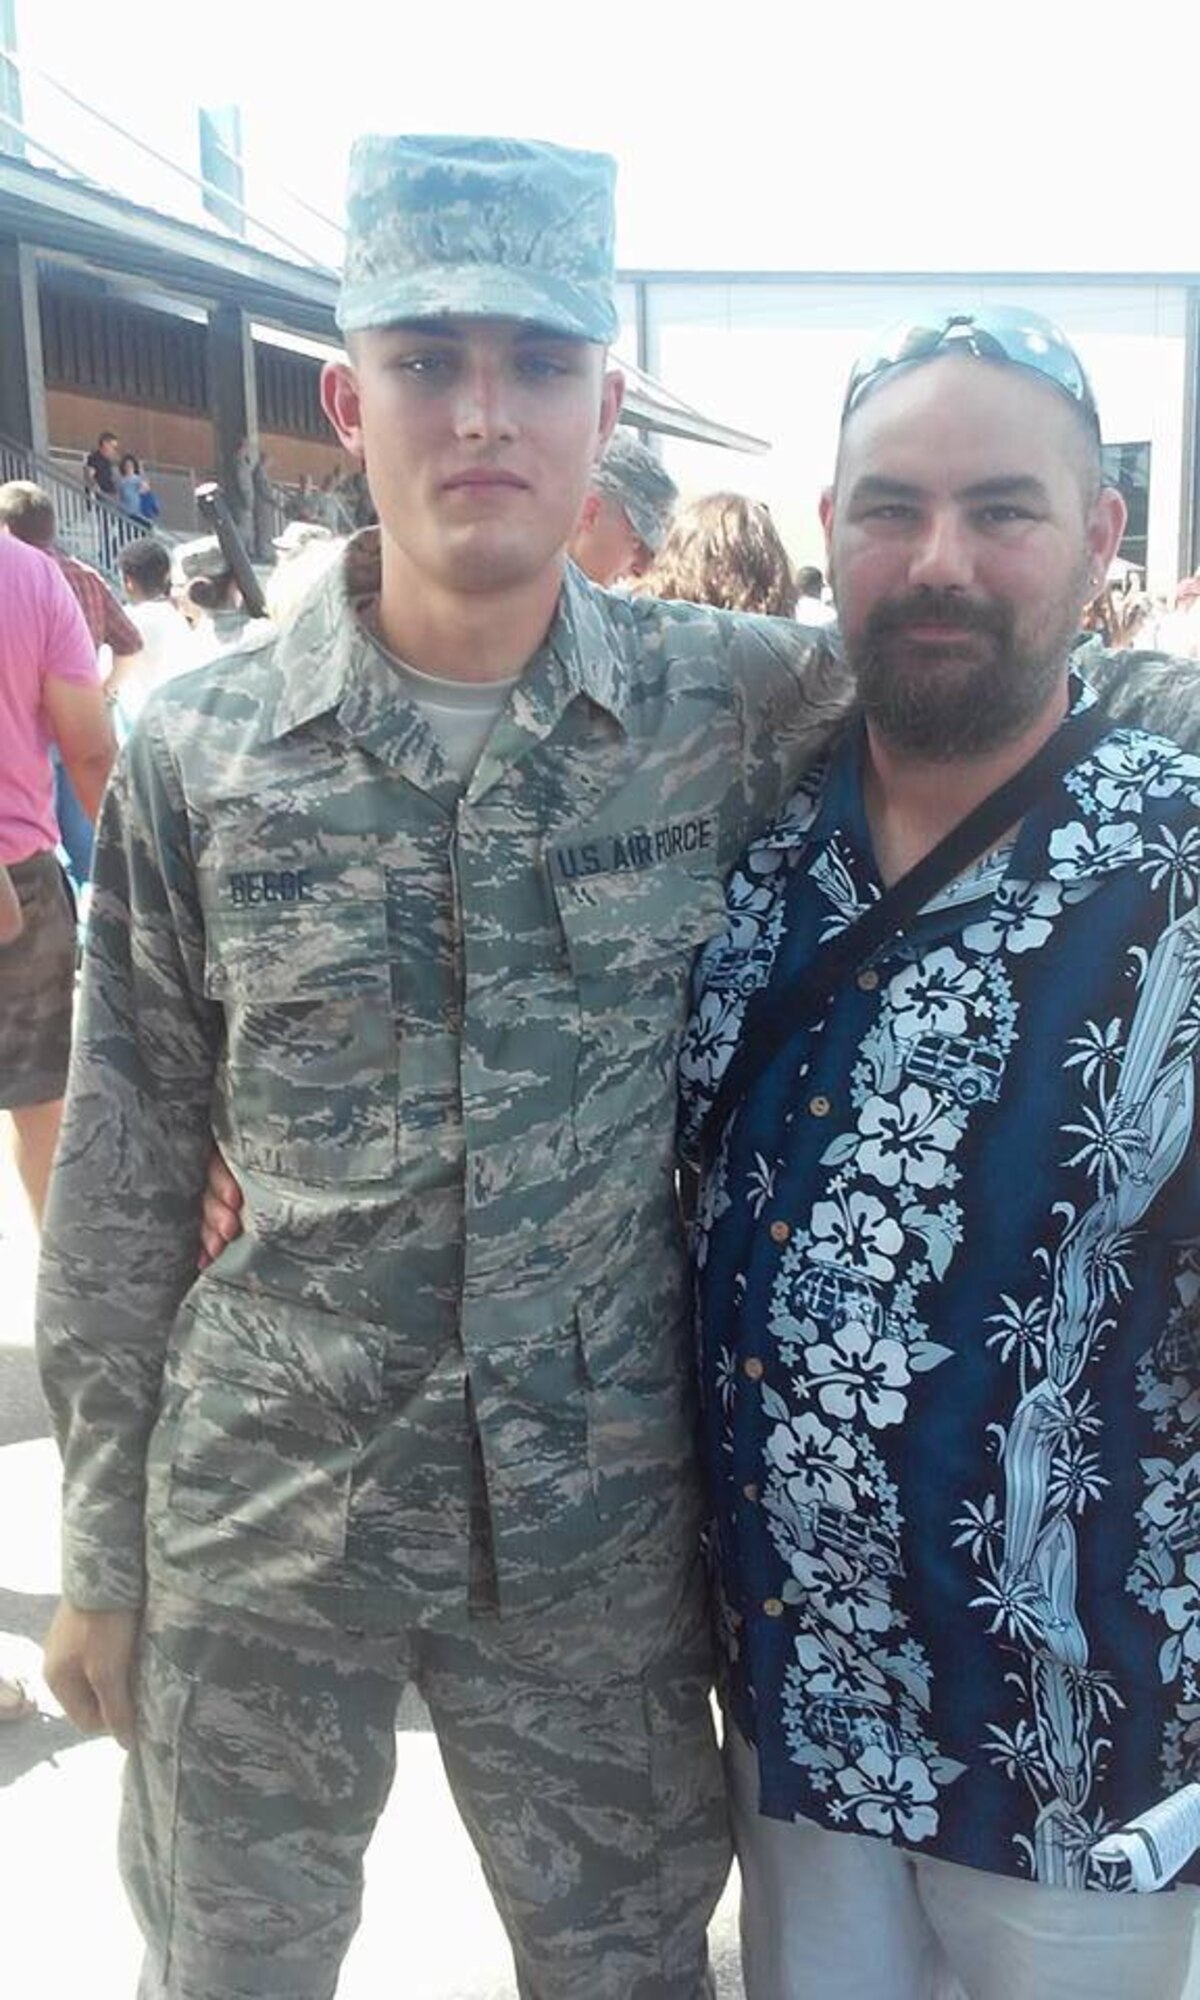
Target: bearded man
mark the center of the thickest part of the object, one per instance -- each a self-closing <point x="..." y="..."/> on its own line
<point x="948" y="1242"/>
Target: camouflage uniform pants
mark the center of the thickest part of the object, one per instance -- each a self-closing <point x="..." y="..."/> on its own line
<point x="593" y="1794"/>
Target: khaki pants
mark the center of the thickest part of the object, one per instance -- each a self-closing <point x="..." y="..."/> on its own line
<point x="827" y="1914"/>
<point x="594" y="1797"/>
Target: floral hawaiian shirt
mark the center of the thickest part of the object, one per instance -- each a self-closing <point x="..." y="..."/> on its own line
<point x="948" y="1270"/>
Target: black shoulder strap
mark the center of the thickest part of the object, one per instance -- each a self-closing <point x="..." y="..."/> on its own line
<point x="776" y="1013"/>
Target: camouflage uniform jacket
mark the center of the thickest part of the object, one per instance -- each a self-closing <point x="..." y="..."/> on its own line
<point x="434" y="1030"/>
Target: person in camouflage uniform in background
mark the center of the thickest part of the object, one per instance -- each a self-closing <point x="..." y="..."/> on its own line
<point x="402" y="904"/>
<point x="626" y="515"/>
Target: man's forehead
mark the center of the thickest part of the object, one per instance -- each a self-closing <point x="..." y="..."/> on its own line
<point x="958" y="381"/>
<point x="962" y="402"/>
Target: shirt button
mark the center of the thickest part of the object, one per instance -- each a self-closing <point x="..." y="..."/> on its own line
<point x="750" y="1491"/>
<point x="773" y="1607"/>
<point x="780" y="1231"/>
<point x="820" y="1107"/>
<point x="752" y="1368"/>
<point x="868" y="979"/>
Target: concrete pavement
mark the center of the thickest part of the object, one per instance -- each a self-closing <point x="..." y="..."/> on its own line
<point x="429" y="1931"/>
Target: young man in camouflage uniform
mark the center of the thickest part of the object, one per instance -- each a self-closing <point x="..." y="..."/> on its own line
<point x="403" y="903"/>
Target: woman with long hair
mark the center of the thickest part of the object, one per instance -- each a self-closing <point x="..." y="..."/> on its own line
<point x="724" y="550"/>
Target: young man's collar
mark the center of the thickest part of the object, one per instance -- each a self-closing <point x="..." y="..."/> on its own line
<point x="316" y="652"/>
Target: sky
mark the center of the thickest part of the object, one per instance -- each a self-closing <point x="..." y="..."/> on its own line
<point x="1033" y="135"/>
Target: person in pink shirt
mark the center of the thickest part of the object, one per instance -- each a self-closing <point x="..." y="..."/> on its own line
<point x="49" y="693"/>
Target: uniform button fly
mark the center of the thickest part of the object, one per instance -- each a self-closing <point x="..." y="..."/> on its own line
<point x="750" y="1491"/>
<point x="820" y="1106"/>
<point x="752" y="1368"/>
<point x="780" y="1231"/>
<point x="868" y="979"/>
<point x="773" y="1606"/>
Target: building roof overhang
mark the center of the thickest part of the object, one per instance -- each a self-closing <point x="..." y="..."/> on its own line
<point x="77" y="218"/>
<point x="68" y="217"/>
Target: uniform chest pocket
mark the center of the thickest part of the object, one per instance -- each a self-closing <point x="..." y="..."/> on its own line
<point x="631" y="939"/>
<point x="309" y="1082"/>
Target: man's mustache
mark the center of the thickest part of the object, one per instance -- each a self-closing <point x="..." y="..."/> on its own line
<point x="934" y="607"/>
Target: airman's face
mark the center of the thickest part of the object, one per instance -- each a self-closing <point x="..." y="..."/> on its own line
<point x="479" y="438"/>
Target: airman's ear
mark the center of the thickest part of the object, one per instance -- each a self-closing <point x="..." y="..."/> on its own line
<point x="341" y="403"/>
<point x="612" y="397"/>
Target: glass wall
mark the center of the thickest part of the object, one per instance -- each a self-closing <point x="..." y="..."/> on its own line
<point x="771" y="356"/>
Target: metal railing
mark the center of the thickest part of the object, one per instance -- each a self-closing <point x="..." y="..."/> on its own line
<point x="174" y="487"/>
<point x="89" y="526"/>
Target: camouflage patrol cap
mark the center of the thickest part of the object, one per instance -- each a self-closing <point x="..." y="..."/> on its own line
<point x="637" y="481"/>
<point x="487" y="228"/>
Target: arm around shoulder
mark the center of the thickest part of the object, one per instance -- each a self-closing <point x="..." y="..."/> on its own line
<point x="795" y="693"/>
<point x="1154" y="691"/>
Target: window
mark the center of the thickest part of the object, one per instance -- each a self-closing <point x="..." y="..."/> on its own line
<point x="1127" y="466"/>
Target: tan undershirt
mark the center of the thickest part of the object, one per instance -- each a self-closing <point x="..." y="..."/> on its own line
<point x="461" y="714"/>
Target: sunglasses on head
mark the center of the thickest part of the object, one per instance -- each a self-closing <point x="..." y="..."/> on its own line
<point x="1023" y="339"/>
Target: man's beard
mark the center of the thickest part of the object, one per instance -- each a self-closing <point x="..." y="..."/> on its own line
<point x="948" y="702"/>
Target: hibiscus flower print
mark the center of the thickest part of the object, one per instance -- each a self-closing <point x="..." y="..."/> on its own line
<point x="753" y="918"/>
<point x="856" y="1374"/>
<point x="830" y="1663"/>
<point x="1173" y="1503"/>
<point x="1131" y="769"/>
<point x="933" y="997"/>
<point x="710" y="1040"/>
<point x="814" y="1464"/>
<point x="842" y="1592"/>
<point x="856" y="1230"/>
<point x="907" y="1141"/>
<point x="1181" y="1607"/>
<point x="1021" y="918"/>
<point x="1078" y="850"/>
<point x="890" y="1794"/>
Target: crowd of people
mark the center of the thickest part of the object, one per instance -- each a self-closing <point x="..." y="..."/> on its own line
<point x="258" y="503"/>
<point x="1125" y="614"/>
<point x="686" y="1114"/>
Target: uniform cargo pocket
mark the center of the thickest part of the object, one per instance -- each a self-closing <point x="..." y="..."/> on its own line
<point x="265" y="1410"/>
<point x="309" y="1085"/>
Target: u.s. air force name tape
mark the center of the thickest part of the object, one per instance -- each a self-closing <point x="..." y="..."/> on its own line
<point x="639" y="847"/>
